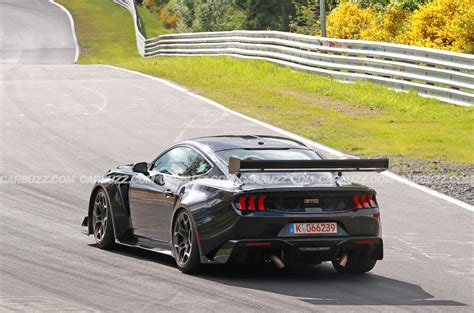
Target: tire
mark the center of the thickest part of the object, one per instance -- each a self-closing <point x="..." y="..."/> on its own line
<point x="358" y="262"/>
<point x="102" y="221"/>
<point x="185" y="246"/>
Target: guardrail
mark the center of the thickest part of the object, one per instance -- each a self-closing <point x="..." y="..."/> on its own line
<point x="447" y="76"/>
<point x="140" y="39"/>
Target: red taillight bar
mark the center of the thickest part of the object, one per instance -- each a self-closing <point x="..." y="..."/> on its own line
<point x="356" y="202"/>
<point x="365" y="201"/>
<point x="243" y="203"/>
<point x="371" y="200"/>
<point x="252" y="203"/>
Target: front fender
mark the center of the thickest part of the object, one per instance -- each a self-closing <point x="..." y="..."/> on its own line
<point x="117" y="194"/>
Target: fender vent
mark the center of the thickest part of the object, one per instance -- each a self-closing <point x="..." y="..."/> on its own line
<point x="119" y="178"/>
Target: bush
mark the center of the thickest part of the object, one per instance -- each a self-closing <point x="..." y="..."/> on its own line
<point x="410" y="5"/>
<point x="348" y="21"/>
<point x="149" y="4"/>
<point x="443" y="24"/>
<point x="209" y="15"/>
<point x="387" y="26"/>
<point x="306" y="20"/>
<point x="374" y="4"/>
<point x="168" y="15"/>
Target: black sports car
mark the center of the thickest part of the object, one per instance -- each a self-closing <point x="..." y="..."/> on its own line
<point x="241" y="199"/>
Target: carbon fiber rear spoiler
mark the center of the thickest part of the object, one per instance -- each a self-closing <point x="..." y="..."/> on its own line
<point x="327" y="165"/>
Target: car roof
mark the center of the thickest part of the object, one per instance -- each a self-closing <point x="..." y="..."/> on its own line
<point x="226" y="142"/>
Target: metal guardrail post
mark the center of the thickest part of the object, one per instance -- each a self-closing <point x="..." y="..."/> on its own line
<point x="322" y="16"/>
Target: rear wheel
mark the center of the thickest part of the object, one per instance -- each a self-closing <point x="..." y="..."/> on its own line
<point x="357" y="262"/>
<point x="101" y="221"/>
<point x="185" y="248"/>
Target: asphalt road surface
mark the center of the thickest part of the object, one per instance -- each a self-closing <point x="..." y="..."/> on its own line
<point x="34" y="32"/>
<point x="62" y="125"/>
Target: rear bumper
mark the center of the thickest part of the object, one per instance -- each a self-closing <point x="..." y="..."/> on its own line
<point x="297" y="250"/>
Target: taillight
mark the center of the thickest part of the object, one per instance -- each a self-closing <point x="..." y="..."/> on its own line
<point x="243" y="203"/>
<point x="261" y="202"/>
<point x="365" y="201"/>
<point x="357" y="202"/>
<point x="252" y="203"/>
<point x="371" y="200"/>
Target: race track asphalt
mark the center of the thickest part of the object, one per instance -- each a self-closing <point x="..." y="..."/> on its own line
<point x="64" y="124"/>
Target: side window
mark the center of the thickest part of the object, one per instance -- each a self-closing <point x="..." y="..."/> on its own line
<point x="182" y="161"/>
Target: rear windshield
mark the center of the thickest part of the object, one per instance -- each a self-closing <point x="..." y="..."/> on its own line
<point x="268" y="154"/>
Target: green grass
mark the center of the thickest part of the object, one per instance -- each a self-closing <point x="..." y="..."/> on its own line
<point x="362" y="118"/>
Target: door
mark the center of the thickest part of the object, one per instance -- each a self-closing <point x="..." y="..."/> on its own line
<point x="152" y="198"/>
<point x="151" y="206"/>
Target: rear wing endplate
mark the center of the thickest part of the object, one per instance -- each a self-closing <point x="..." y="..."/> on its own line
<point x="326" y="165"/>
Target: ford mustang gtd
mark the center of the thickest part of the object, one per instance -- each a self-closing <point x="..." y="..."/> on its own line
<point x="241" y="199"/>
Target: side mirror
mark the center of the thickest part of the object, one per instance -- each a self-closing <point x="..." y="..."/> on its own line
<point x="141" y="167"/>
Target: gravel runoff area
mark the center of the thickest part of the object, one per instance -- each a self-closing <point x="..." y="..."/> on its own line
<point x="453" y="179"/>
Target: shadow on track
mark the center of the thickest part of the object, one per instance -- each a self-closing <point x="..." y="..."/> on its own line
<point x="319" y="285"/>
<point x="322" y="285"/>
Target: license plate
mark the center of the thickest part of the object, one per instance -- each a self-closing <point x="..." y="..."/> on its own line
<point x="313" y="228"/>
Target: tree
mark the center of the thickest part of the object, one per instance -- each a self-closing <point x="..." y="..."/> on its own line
<point x="213" y="15"/>
<point x="209" y="15"/>
<point x="306" y="19"/>
<point x="267" y="14"/>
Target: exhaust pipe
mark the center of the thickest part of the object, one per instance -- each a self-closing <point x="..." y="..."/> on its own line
<point x="277" y="261"/>
<point x="343" y="260"/>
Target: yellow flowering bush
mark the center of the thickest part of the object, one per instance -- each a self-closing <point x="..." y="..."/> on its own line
<point x="348" y="21"/>
<point x="443" y="24"/>
<point x="387" y="26"/>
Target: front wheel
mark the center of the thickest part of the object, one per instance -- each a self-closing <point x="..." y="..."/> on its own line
<point x="185" y="247"/>
<point x="357" y="262"/>
<point x="101" y="221"/>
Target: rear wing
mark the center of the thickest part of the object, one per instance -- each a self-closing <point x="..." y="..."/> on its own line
<point x="326" y="165"/>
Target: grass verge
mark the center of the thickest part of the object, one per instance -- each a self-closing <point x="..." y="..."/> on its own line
<point x="362" y="118"/>
<point x="151" y="25"/>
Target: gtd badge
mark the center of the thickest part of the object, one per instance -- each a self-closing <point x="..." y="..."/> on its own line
<point x="311" y="201"/>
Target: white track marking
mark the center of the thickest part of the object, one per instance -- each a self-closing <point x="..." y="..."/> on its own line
<point x="99" y="107"/>
<point x="304" y="140"/>
<point x="71" y="20"/>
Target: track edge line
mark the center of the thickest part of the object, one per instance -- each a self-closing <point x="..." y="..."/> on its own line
<point x="77" y="49"/>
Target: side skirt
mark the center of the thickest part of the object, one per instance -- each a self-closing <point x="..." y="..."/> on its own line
<point x="147" y="244"/>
